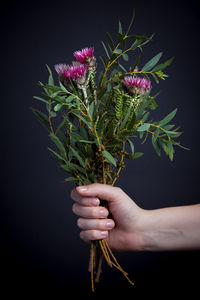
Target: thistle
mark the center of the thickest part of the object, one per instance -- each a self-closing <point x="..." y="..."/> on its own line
<point x="100" y="118"/>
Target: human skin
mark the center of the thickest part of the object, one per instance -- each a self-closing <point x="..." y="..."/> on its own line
<point x="132" y="228"/>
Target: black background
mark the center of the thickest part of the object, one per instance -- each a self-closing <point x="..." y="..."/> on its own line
<point x="42" y="253"/>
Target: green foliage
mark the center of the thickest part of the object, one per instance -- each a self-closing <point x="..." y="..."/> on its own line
<point x="93" y="125"/>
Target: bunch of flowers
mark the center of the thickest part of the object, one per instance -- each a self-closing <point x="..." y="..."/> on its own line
<point x="93" y="120"/>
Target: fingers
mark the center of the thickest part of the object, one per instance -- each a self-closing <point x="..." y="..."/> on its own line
<point x="101" y="191"/>
<point x="86" y="201"/>
<point x="91" y="235"/>
<point x="94" y="229"/>
<point x="90" y="212"/>
<point x="95" y="224"/>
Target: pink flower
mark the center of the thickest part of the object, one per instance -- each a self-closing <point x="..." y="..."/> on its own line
<point x="84" y="55"/>
<point x="61" y="68"/>
<point x="136" y="84"/>
<point x="77" y="70"/>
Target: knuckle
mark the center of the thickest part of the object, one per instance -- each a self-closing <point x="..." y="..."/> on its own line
<point x="118" y="189"/>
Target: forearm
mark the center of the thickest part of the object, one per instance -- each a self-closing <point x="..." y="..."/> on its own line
<point x="173" y="228"/>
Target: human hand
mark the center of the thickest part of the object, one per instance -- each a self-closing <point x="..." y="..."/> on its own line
<point x="122" y="232"/>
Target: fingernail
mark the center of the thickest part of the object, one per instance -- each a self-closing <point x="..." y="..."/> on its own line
<point x="103" y="213"/>
<point x="109" y="224"/>
<point x="103" y="233"/>
<point x="95" y="202"/>
<point x="82" y="188"/>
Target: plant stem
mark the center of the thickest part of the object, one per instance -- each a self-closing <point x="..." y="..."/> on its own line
<point x="50" y="124"/>
<point x="121" y="161"/>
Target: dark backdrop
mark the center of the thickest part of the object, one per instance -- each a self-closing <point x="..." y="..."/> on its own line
<point x="42" y="253"/>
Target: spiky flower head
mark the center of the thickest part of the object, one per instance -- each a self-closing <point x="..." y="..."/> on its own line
<point x="63" y="71"/>
<point x="77" y="71"/>
<point x="85" y="56"/>
<point x="137" y="84"/>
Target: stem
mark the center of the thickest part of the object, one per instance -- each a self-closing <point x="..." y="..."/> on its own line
<point x="121" y="161"/>
<point x="50" y="124"/>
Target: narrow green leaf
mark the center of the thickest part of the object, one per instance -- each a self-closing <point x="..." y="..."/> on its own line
<point x="131" y="145"/>
<point x="109" y="157"/>
<point x="77" y="156"/>
<point x="168" y="118"/>
<point x="91" y="109"/>
<point x="105" y="49"/>
<point x="150" y="64"/>
<point x="163" y="66"/>
<point x="42" y="118"/>
<point x="40" y="99"/>
<point x="58" y="156"/>
<point x="143" y="127"/>
<point x="120" y="27"/>
<point x="156" y="145"/>
<point x="110" y="40"/>
<point x="131" y="22"/>
<point x="170" y="150"/>
<point x="50" y="81"/>
<point x="103" y="60"/>
<point x="62" y="87"/>
<point x="87" y="142"/>
<point x="57" y="142"/>
<point x="71" y="179"/>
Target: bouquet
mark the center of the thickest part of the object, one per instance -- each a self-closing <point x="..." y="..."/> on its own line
<point x="93" y="119"/>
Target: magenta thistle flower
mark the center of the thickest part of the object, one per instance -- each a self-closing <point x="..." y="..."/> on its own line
<point x="77" y="70"/>
<point x="61" y="68"/>
<point x="136" y="84"/>
<point x="84" y="55"/>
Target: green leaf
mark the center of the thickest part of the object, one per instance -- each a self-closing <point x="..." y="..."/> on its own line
<point x="109" y="157"/>
<point x="86" y="141"/>
<point x="170" y="150"/>
<point x="137" y="155"/>
<point x="120" y="27"/>
<point x="131" y="145"/>
<point x="42" y="118"/>
<point x="156" y="145"/>
<point x="71" y="179"/>
<point x="40" y="99"/>
<point x="103" y="60"/>
<point x="57" y="155"/>
<point x="91" y="109"/>
<point x="105" y="49"/>
<point x="57" y="142"/>
<point x="78" y="156"/>
<point x="111" y="43"/>
<point x="63" y="88"/>
<point x="150" y="64"/>
<point x="125" y="56"/>
<point x="143" y="127"/>
<point x="164" y="65"/>
<point x="70" y="98"/>
<point x="58" y="107"/>
<point x="50" y="81"/>
<point x="131" y="22"/>
<point x="168" y="118"/>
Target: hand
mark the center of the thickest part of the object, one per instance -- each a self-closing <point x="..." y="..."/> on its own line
<point x="122" y="232"/>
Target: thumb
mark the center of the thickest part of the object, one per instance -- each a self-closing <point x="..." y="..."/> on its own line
<point x="101" y="191"/>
